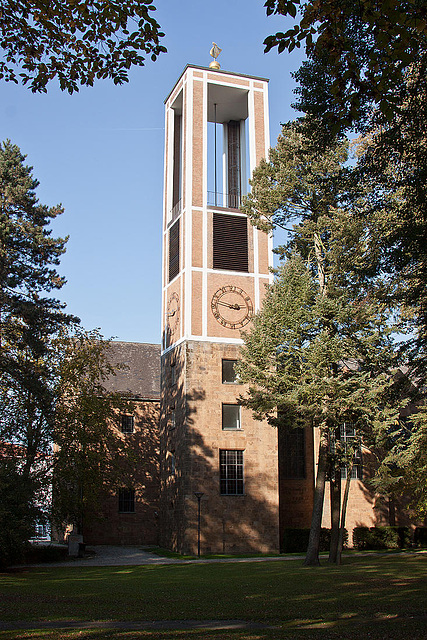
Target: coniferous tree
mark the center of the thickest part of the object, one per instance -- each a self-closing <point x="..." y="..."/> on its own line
<point x="28" y="260"/>
<point x="366" y="70"/>
<point x="316" y="317"/>
<point x="29" y="320"/>
<point x="28" y="316"/>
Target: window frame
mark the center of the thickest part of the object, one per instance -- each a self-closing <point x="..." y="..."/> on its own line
<point x="126" y="496"/>
<point x="239" y="420"/>
<point x="124" y="416"/>
<point x="229" y="468"/>
<point x="293" y="458"/>
<point x="236" y="376"/>
<point x="347" y="435"/>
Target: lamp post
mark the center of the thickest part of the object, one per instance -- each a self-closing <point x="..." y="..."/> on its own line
<point x="198" y="495"/>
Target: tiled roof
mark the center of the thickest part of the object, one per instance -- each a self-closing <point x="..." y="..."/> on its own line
<point x="141" y="375"/>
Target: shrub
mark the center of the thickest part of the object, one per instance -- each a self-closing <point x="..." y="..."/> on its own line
<point x="420" y="536"/>
<point x="296" y="540"/>
<point x="404" y="537"/>
<point x="45" y="553"/>
<point x="17" y="514"/>
<point x="381" y="537"/>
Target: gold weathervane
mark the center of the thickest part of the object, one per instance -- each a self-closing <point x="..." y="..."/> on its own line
<point x="215" y="51"/>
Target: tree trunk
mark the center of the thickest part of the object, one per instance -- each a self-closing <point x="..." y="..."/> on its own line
<point x="343" y="514"/>
<point x="312" y="555"/>
<point x="320" y="261"/>
<point x="335" y="494"/>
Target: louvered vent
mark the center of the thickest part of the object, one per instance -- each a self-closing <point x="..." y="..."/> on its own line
<point x="230" y="242"/>
<point x="174" y="250"/>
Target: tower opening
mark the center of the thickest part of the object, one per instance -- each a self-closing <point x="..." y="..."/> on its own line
<point x="227" y="146"/>
<point x="177" y="144"/>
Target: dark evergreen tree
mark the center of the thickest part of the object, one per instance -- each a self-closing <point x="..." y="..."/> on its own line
<point x="316" y="318"/>
<point x="29" y="320"/>
<point x="366" y="71"/>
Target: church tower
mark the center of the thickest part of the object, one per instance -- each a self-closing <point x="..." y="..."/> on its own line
<point x="215" y="268"/>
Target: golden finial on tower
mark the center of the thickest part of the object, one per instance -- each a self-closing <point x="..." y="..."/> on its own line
<point x="215" y="51"/>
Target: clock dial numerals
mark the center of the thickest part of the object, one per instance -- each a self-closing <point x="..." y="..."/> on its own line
<point x="232" y="307"/>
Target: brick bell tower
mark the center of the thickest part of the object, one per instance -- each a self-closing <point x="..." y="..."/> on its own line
<point x="215" y="267"/>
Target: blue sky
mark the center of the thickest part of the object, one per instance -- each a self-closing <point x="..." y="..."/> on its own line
<point x="100" y="153"/>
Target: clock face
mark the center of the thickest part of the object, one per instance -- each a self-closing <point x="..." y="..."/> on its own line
<point x="232" y="307"/>
<point x="172" y="313"/>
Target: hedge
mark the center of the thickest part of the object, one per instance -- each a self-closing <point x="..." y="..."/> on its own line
<point x="296" y="540"/>
<point x="382" y="537"/>
<point x="420" y="536"/>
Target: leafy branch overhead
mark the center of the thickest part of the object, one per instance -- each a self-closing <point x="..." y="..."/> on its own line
<point x="75" y="42"/>
<point x="366" y="47"/>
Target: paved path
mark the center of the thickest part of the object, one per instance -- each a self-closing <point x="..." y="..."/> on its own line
<point x="153" y="625"/>
<point x="111" y="556"/>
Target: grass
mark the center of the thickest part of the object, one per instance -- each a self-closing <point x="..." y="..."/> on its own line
<point x="167" y="553"/>
<point x="369" y="597"/>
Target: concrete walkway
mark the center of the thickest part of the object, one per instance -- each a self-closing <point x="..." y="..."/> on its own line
<point x="111" y="556"/>
<point x="151" y="625"/>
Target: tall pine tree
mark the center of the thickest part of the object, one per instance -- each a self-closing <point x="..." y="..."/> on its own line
<point x="315" y="317"/>
<point x="29" y="319"/>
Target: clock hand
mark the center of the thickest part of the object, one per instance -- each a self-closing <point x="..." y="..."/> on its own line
<point x="230" y="306"/>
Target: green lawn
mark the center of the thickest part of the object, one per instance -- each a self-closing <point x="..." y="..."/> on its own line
<point x="374" y="597"/>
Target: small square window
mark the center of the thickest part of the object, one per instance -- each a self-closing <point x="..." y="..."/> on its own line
<point x="126" y="500"/>
<point x="229" y="375"/>
<point x="127" y="423"/>
<point x="231" y="416"/>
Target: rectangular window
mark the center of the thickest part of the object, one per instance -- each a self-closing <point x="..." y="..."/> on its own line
<point x="349" y="438"/>
<point x="231" y="416"/>
<point x="127" y="423"/>
<point x="173" y="373"/>
<point x="173" y="419"/>
<point x="292" y="450"/>
<point x="174" y="250"/>
<point x="126" y="500"/>
<point x="230" y="242"/>
<point x="231" y="472"/>
<point x="229" y="374"/>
